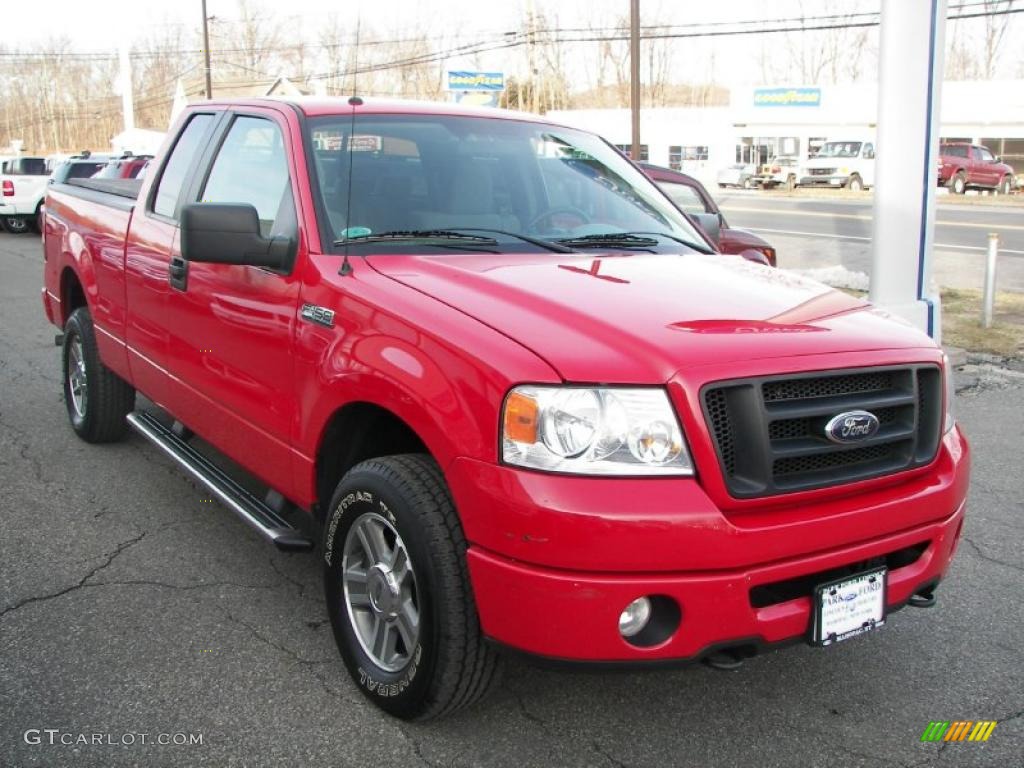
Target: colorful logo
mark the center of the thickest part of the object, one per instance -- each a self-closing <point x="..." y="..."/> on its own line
<point x="958" y="730"/>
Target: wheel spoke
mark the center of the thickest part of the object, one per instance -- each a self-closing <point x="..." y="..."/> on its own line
<point x="400" y="563"/>
<point x="408" y="623"/>
<point x="372" y="539"/>
<point x="381" y="630"/>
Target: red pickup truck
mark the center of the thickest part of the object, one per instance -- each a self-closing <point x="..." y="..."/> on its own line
<point x="495" y="378"/>
<point x="963" y="165"/>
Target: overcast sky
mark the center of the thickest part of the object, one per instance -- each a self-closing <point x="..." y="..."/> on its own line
<point x="98" y="25"/>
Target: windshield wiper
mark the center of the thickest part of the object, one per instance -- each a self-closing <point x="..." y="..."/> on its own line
<point x="409" y="235"/>
<point x="550" y="245"/>
<point x="609" y="240"/>
<point x="700" y="247"/>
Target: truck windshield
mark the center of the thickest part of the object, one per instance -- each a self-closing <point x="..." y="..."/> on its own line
<point x="839" y="149"/>
<point x="510" y="180"/>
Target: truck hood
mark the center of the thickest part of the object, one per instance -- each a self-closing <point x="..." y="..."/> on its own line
<point x="639" y="318"/>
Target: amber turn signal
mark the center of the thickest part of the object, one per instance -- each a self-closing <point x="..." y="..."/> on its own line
<point x="521" y="418"/>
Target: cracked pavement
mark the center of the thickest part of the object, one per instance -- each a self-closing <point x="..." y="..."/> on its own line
<point x="127" y="605"/>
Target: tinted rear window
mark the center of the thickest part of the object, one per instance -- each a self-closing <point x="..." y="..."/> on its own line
<point x="954" y="150"/>
<point x="26" y="166"/>
<point x="82" y="170"/>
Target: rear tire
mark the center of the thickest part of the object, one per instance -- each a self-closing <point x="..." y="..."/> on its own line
<point x="958" y="183"/>
<point x="96" y="398"/>
<point x="432" y="658"/>
<point x="790" y="183"/>
<point x="16" y="225"/>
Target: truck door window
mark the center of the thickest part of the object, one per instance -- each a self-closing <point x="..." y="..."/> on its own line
<point x="986" y="156"/>
<point x="684" y="196"/>
<point x="173" y="178"/>
<point x="251" y="167"/>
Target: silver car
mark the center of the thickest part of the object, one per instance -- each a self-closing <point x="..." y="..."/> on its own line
<point x="737" y="175"/>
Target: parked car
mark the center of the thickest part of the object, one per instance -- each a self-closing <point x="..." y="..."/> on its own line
<point x="78" y="167"/>
<point x="779" y="171"/>
<point x="22" y="184"/>
<point x="963" y="166"/>
<point x="127" y="167"/>
<point x="845" y="163"/>
<point x="737" y="175"/>
<point x="497" y="381"/>
<point x="692" y="198"/>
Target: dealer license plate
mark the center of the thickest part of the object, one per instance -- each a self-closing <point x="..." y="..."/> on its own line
<point x="849" y="607"/>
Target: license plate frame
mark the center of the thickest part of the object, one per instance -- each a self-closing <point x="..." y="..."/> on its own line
<point x="871" y="607"/>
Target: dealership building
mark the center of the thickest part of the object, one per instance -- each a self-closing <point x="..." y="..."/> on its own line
<point x="764" y="122"/>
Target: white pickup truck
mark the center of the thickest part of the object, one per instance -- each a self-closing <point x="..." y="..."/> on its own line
<point x="23" y="182"/>
<point x="848" y="163"/>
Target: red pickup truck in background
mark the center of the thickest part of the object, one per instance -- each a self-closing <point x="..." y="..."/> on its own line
<point x="963" y="166"/>
<point x="507" y="392"/>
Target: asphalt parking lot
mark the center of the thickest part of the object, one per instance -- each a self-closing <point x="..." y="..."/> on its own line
<point x="131" y="605"/>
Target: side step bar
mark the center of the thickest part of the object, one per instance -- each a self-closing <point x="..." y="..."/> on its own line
<point x="247" y="506"/>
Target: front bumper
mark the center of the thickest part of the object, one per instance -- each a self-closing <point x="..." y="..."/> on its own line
<point x="824" y="181"/>
<point x="554" y="560"/>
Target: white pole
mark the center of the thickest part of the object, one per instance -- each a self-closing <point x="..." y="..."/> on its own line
<point x="909" y="86"/>
<point x="127" y="101"/>
<point x="990" y="280"/>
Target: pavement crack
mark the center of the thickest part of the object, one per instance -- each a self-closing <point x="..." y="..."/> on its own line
<point x="978" y="551"/>
<point x="417" y="749"/>
<point x="299" y="585"/>
<point x="610" y="758"/>
<point x="527" y="713"/>
<point x="108" y="559"/>
<point x="294" y="655"/>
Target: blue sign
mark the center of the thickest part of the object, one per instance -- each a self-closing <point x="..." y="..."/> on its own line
<point x="476" y="81"/>
<point x="787" y="97"/>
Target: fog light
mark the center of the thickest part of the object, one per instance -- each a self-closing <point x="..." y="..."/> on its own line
<point x="635" y="617"/>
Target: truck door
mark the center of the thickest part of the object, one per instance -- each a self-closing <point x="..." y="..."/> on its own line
<point x="988" y="174"/>
<point x="151" y="244"/>
<point x="230" y="328"/>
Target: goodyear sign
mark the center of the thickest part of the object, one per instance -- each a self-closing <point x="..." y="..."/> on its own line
<point x="787" y="97"/>
<point x="476" y="81"/>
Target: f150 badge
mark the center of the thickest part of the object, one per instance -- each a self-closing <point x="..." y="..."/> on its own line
<point x="319" y="315"/>
<point x="852" y="427"/>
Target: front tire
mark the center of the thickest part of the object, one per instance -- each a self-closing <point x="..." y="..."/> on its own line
<point x="855" y="184"/>
<point x="96" y="398"/>
<point x="1005" y="186"/>
<point x="398" y="592"/>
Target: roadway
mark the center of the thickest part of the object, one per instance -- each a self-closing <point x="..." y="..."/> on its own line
<point x="130" y="604"/>
<point x="813" y="233"/>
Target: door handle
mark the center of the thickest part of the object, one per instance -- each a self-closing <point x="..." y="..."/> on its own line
<point x="178" y="270"/>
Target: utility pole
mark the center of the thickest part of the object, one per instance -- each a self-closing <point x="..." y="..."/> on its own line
<point x="634" y="76"/>
<point x="206" y="51"/>
<point x="127" y="101"/>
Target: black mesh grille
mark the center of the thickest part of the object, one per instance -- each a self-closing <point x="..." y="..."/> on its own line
<point x="826" y="386"/>
<point x="718" y="413"/>
<point x="820" y="461"/>
<point x="771" y="434"/>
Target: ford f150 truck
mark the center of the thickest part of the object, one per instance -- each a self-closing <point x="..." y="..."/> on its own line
<point x="486" y="369"/>
<point x="22" y="185"/>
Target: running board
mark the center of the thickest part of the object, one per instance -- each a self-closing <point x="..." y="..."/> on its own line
<point x="247" y="506"/>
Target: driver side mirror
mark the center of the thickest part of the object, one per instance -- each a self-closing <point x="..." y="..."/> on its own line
<point x="229" y="233"/>
<point x="711" y="223"/>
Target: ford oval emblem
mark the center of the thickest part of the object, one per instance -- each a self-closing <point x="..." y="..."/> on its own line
<point x="852" y="427"/>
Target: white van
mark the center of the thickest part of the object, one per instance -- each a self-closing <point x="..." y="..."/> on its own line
<point x="848" y="163"/>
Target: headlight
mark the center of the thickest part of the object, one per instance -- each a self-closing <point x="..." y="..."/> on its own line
<point x="593" y="431"/>
<point x="949" y="388"/>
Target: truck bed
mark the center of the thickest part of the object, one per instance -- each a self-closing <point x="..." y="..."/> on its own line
<point x="125" y="189"/>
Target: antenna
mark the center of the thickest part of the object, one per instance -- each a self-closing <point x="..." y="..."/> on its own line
<point x="354" y="101"/>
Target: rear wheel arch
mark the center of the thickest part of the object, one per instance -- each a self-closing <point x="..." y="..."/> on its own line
<point x="72" y="293"/>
